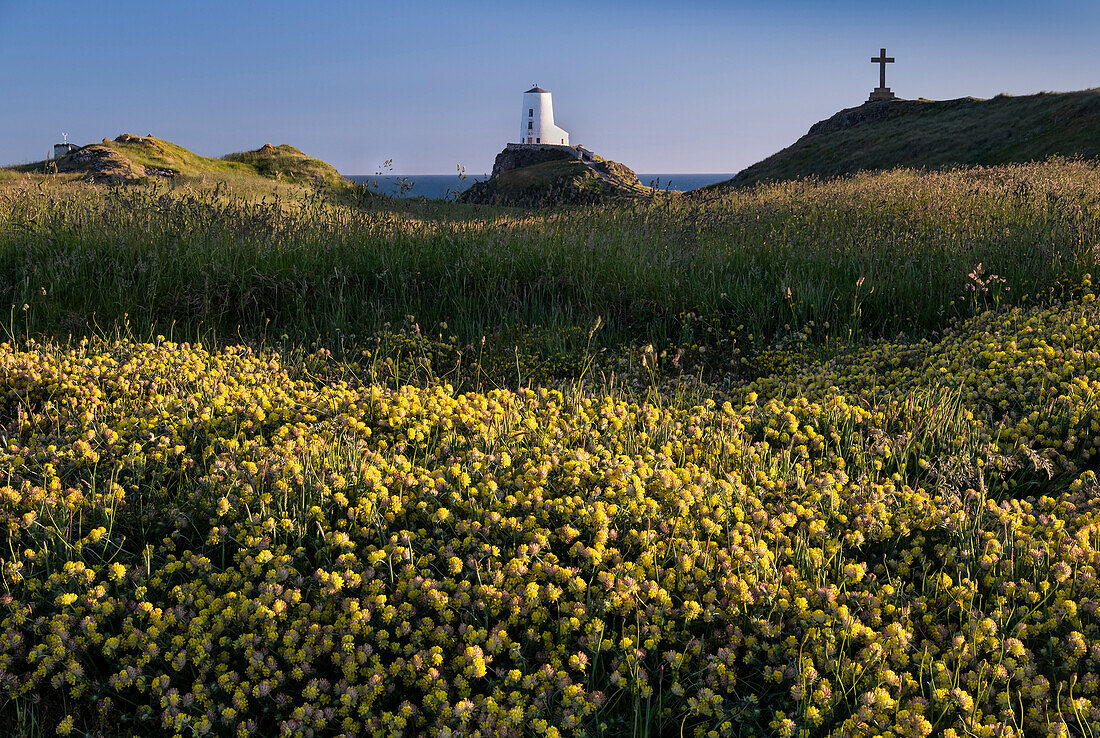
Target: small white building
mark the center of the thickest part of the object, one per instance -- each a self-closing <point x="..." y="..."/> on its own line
<point x="537" y="124"/>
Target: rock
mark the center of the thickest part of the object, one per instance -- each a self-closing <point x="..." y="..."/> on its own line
<point x="536" y="177"/>
<point x="127" y="138"/>
<point x="621" y="173"/>
<point x="102" y="164"/>
<point x="511" y="159"/>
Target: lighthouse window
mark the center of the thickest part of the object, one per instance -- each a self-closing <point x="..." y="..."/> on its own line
<point x="531" y="112"/>
<point x="538" y="140"/>
<point x="530" y="125"/>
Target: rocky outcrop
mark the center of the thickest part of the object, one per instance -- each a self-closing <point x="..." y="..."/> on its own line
<point x="148" y="141"/>
<point x="102" y="164"/>
<point x="105" y="163"/>
<point x="534" y="177"/>
<point x="620" y="173"/>
<point x="512" y="158"/>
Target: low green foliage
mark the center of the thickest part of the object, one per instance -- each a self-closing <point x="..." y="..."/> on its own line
<point x="550" y="172"/>
<point x="284" y="162"/>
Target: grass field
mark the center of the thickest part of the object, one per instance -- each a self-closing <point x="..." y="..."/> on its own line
<point x="860" y="258"/>
<point x="816" y="459"/>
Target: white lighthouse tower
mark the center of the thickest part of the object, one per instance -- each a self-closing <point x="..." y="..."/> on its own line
<point x="537" y="124"/>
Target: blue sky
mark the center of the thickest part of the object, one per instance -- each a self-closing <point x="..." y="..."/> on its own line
<point x="692" y="86"/>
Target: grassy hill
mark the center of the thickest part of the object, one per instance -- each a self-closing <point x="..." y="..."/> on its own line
<point x="162" y="156"/>
<point x="288" y="163"/>
<point x="932" y="134"/>
<point x="129" y="158"/>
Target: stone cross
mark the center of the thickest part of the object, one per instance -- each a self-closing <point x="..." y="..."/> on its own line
<point x="882" y="92"/>
<point x="882" y="61"/>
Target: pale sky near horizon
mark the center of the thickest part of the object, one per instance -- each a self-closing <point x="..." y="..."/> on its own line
<point x="692" y="86"/>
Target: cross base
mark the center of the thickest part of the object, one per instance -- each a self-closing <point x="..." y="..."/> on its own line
<point x="882" y="93"/>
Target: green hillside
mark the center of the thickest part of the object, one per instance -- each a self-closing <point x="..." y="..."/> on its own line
<point x="290" y="164"/>
<point x="933" y="134"/>
<point x="130" y="158"/>
<point x="162" y="156"/>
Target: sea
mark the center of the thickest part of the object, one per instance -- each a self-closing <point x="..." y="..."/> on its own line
<point x="445" y="186"/>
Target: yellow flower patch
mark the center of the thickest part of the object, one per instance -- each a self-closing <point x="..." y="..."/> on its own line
<point x="904" y="539"/>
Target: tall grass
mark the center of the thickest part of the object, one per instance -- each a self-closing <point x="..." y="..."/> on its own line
<point x="870" y="255"/>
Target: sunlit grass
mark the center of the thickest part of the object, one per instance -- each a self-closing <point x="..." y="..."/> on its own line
<point x="839" y="261"/>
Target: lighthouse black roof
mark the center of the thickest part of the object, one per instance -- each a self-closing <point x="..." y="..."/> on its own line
<point x="536" y="88"/>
